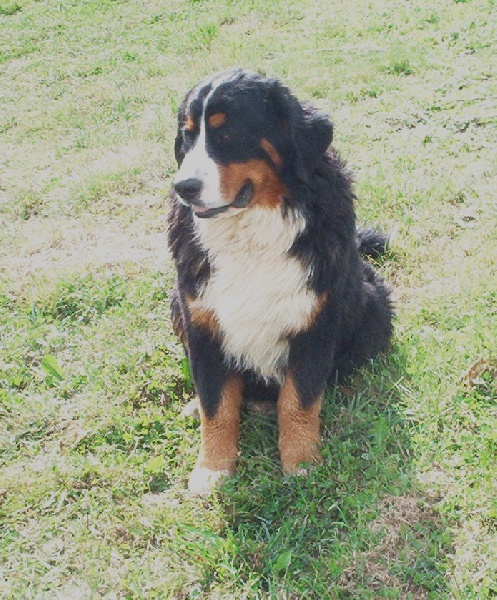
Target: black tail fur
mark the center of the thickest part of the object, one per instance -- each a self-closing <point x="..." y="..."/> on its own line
<point x="372" y="243"/>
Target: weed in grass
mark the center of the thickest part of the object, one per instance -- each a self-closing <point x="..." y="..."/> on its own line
<point x="399" y="67"/>
<point x="87" y="299"/>
<point x="204" y="35"/>
<point x="29" y="204"/>
<point x="9" y="9"/>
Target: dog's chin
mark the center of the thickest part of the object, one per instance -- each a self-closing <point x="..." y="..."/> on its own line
<point x="241" y="201"/>
<point x="204" y="212"/>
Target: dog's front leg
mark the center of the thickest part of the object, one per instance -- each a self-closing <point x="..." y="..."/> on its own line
<point x="219" y="438"/>
<point x="220" y="395"/>
<point x="301" y="396"/>
<point x="299" y="428"/>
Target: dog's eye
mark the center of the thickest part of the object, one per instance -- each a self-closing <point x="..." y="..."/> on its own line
<point x="188" y="135"/>
<point x="188" y="139"/>
<point x="226" y="133"/>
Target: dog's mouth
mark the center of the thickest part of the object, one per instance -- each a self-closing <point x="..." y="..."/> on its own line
<point x="242" y="200"/>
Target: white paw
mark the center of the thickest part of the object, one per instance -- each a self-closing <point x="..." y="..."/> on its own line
<point x="296" y="472"/>
<point x="302" y="472"/>
<point x="203" y="481"/>
<point x="192" y="409"/>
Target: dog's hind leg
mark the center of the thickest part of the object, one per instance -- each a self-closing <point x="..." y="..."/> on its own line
<point x="373" y="331"/>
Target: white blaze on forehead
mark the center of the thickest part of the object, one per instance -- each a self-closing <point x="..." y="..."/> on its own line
<point x="197" y="163"/>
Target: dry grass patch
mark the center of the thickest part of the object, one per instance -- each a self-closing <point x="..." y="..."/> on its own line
<point x="403" y="528"/>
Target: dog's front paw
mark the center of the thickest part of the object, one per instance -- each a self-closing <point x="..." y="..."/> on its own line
<point x="204" y="481"/>
<point x="300" y="463"/>
<point x="192" y="409"/>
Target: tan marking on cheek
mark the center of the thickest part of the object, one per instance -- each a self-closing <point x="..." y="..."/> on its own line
<point x="272" y="152"/>
<point x="299" y="437"/>
<point x="216" y="120"/>
<point x="219" y="445"/>
<point x="268" y="187"/>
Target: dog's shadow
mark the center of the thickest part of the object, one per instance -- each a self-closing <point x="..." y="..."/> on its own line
<point x="336" y="518"/>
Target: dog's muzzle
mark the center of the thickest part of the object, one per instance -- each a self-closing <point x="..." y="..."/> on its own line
<point x="190" y="191"/>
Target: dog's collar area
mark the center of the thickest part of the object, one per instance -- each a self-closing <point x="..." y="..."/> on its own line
<point x="242" y="200"/>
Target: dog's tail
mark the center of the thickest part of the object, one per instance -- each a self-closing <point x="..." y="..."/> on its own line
<point x="372" y="243"/>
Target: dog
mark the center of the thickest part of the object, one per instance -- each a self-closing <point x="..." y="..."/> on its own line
<point x="273" y="297"/>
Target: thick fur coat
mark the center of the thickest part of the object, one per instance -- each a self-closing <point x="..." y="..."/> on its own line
<point x="273" y="295"/>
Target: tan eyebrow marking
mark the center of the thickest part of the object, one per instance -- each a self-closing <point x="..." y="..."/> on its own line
<point x="216" y="120"/>
<point x="190" y="123"/>
<point x="271" y="150"/>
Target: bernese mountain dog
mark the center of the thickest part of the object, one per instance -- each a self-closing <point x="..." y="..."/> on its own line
<point x="273" y="295"/>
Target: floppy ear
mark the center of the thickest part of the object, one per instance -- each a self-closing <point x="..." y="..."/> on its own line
<point x="182" y="116"/>
<point x="178" y="142"/>
<point x="309" y="130"/>
<point x="313" y="136"/>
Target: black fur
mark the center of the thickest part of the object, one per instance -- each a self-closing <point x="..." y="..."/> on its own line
<point x="355" y="322"/>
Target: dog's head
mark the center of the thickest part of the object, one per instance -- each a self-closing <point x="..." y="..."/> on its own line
<point x="242" y="140"/>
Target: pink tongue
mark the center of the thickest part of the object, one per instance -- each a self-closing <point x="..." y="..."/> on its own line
<point x="200" y="209"/>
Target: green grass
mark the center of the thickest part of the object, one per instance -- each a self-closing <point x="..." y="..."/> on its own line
<point x="94" y="452"/>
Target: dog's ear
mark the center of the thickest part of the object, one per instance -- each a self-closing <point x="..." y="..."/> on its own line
<point x="309" y="130"/>
<point x="314" y="134"/>
<point x="179" y="152"/>
<point x="178" y="142"/>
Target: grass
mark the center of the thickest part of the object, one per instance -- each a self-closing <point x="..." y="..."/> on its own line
<point x="94" y="452"/>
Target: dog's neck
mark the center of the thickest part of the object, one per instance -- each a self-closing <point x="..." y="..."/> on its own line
<point x="252" y="231"/>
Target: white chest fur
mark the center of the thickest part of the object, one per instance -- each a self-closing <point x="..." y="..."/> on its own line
<point x="257" y="292"/>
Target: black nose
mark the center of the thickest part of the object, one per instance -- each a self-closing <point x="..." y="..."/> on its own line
<point x="189" y="189"/>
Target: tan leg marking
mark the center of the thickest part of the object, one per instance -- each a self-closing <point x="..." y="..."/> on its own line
<point x="299" y="437"/>
<point x="219" y="440"/>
